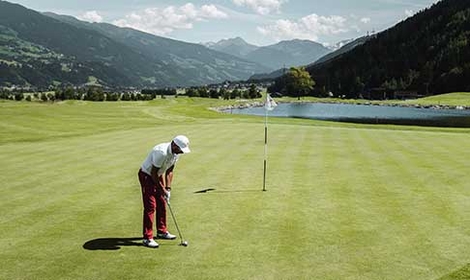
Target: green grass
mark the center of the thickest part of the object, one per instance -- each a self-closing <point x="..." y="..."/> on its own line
<point x="452" y="99"/>
<point x="344" y="201"/>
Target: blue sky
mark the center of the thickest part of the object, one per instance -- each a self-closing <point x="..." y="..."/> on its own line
<point x="259" y="22"/>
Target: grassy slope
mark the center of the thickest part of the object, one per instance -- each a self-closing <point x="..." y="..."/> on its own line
<point x="452" y="99"/>
<point x="343" y="201"/>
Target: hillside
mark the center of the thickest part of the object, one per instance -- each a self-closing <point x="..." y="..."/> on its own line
<point x="70" y="55"/>
<point x="426" y="54"/>
<point x="77" y="52"/>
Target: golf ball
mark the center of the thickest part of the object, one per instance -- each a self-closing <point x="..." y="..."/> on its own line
<point x="184" y="243"/>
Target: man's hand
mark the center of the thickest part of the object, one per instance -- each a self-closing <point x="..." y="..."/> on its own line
<point x="167" y="196"/>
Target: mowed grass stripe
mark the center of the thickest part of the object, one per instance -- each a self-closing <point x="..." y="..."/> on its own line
<point x="72" y="179"/>
<point x="406" y="180"/>
<point x="81" y="206"/>
<point x="439" y="188"/>
<point x="413" y="233"/>
<point x="56" y="166"/>
<point x="238" y="192"/>
<point x="343" y="227"/>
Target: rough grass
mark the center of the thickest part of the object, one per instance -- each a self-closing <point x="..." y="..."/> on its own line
<point x="343" y="201"/>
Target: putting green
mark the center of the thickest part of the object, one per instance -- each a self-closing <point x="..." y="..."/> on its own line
<point x="343" y="201"/>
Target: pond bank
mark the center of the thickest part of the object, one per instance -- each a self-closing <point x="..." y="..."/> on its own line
<point x="369" y="103"/>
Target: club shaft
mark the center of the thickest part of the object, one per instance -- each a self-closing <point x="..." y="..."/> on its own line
<point x="174" y="220"/>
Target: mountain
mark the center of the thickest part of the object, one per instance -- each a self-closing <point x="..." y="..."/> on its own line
<point x="427" y="54"/>
<point x="342" y="47"/>
<point x="280" y="55"/>
<point x="43" y="50"/>
<point x="288" y="54"/>
<point x="234" y="46"/>
<point x="268" y="76"/>
<point x="198" y="64"/>
<point x="340" y="44"/>
<point x="38" y="50"/>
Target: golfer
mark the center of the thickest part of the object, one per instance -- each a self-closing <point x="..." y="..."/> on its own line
<point x="155" y="176"/>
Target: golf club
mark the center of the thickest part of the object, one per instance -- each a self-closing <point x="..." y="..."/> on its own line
<point x="183" y="242"/>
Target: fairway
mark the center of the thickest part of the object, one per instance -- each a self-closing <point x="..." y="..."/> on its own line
<point x="343" y="201"/>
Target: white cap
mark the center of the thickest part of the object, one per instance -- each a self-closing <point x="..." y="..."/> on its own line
<point x="182" y="142"/>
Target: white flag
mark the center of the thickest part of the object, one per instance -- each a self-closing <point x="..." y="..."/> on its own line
<point x="270" y="103"/>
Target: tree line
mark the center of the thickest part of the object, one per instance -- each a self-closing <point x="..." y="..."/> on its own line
<point x="98" y="94"/>
<point x="220" y="92"/>
<point x="90" y="94"/>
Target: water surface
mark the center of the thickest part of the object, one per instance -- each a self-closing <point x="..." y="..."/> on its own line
<point x="366" y="114"/>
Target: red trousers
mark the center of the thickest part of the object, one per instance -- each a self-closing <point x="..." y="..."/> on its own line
<point x="154" y="205"/>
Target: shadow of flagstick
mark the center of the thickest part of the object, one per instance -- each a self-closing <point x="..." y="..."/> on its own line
<point x="224" y="191"/>
<point x="205" y="190"/>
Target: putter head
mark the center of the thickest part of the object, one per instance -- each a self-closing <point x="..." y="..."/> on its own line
<point x="184" y="243"/>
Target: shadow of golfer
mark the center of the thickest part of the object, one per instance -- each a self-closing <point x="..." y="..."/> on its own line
<point x="111" y="243"/>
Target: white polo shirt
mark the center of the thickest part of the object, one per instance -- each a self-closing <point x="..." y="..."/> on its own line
<point x="160" y="157"/>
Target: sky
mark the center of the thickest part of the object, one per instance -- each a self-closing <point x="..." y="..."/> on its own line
<point x="259" y="22"/>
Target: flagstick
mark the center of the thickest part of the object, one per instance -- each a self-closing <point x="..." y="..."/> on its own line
<point x="265" y="147"/>
<point x="268" y="106"/>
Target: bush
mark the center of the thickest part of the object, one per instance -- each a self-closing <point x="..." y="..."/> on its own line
<point x="125" y="97"/>
<point x="19" y="96"/>
<point x="112" y="97"/>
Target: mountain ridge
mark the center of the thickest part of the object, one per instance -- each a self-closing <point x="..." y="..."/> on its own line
<point x="106" y="54"/>
<point x="285" y="53"/>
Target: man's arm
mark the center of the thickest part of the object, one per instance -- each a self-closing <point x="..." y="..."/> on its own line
<point x="158" y="180"/>
<point x="169" y="177"/>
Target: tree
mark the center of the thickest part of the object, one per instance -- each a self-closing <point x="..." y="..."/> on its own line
<point x="234" y="94"/>
<point x="225" y="94"/>
<point x="213" y="93"/>
<point x="298" y="82"/>
<point x="203" y="92"/>
<point x="126" y="97"/>
<point x="69" y="93"/>
<point x="19" y="96"/>
<point x="191" y="92"/>
<point x="253" y="92"/>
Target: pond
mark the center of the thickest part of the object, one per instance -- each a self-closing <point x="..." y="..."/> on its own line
<point x="370" y="114"/>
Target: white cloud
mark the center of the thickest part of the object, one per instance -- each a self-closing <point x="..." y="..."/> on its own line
<point x="211" y="11"/>
<point x="91" y="16"/>
<point x="262" y="7"/>
<point x="365" y="20"/>
<point x="164" y="21"/>
<point x="409" y="13"/>
<point x="309" y="27"/>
